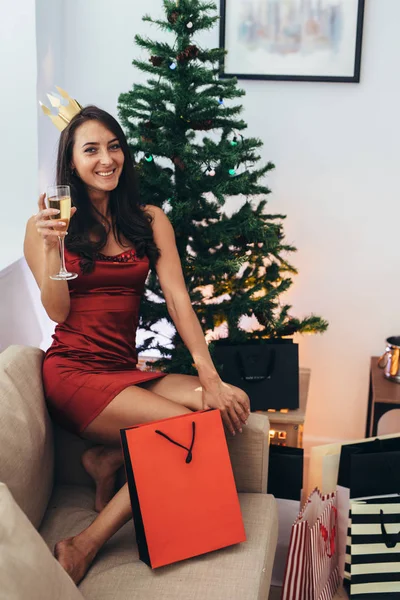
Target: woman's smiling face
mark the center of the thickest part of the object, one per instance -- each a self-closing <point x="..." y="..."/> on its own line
<point x="97" y="156"/>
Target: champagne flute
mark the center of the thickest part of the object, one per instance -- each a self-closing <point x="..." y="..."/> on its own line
<point x="59" y="196"/>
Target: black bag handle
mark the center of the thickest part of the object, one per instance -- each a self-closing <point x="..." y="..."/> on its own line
<point x="189" y="450"/>
<point x="268" y="372"/>
<point x="391" y="539"/>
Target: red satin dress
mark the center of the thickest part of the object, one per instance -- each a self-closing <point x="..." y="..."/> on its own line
<point x="93" y="355"/>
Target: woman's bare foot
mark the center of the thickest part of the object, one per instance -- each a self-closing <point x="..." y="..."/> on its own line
<point x="102" y="464"/>
<point x="75" y="557"/>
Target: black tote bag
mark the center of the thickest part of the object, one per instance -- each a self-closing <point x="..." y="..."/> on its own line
<point x="285" y="482"/>
<point x="370" y="468"/>
<point x="367" y="469"/>
<point x="285" y="472"/>
<point x="374" y="548"/>
<point x="267" y="371"/>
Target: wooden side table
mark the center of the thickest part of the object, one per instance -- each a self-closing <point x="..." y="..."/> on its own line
<point x="384" y="395"/>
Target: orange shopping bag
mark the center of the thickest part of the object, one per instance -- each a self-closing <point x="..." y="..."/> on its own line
<point x="182" y="490"/>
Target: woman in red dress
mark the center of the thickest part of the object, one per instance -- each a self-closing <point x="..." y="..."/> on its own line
<point x="91" y="382"/>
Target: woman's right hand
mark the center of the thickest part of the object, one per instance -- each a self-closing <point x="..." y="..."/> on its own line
<point x="49" y="229"/>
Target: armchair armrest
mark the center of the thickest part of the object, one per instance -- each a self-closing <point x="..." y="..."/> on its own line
<point x="249" y="452"/>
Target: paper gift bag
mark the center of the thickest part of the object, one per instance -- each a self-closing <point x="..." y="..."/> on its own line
<point x="324" y="464"/>
<point x="285" y="482"/>
<point x="268" y="371"/>
<point x="375" y="548"/>
<point x="367" y="476"/>
<point x="285" y="472"/>
<point x="368" y="469"/>
<point x="379" y="461"/>
<point x="312" y="567"/>
<point x="182" y="490"/>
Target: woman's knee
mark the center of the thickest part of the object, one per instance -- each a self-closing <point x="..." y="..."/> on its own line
<point x="185" y="390"/>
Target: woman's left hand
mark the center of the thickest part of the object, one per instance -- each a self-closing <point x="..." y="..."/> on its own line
<point x="233" y="403"/>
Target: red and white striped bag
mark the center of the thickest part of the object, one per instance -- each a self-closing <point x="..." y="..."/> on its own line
<point x="312" y="571"/>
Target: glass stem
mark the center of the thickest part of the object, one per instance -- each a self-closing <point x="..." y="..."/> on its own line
<point x="61" y="240"/>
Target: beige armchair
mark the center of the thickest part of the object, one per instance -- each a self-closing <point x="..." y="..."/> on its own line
<point x="40" y="465"/>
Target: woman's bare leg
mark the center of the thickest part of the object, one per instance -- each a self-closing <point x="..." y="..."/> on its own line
<point x="139" y="404"/>
<point x="133" y="406"/>
<point x="102" y="464"/>
<point x="76" y="554"/>
<point x="182" y="389"/>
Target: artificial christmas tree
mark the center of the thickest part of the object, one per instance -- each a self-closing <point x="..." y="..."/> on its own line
<point x="236" y="265"/>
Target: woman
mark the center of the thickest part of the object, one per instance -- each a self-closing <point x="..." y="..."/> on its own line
<point x="90" y="378"/>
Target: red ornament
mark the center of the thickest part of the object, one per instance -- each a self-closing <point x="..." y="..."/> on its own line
<point x="203" y="125"/>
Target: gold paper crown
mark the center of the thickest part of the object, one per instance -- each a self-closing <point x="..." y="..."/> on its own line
<point x="65" y="113"/>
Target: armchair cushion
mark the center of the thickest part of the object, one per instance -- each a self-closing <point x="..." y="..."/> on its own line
<point x="26" y="434"/>
<point x="27" y="568"/>
<point x="240" y="571"/>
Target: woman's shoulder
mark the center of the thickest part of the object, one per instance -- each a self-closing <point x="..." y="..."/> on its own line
<point x="160" y="223"/>
<point x="145" y="206"/>
<point x="154" y="211"/>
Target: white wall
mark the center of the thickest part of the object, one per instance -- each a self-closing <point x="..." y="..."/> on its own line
<point x="31" y="60"/>
<point x="100" y="48"/>
<point x="18" y="125"/>
<point x="50" y="47"/>
<point x="335" y="150"/>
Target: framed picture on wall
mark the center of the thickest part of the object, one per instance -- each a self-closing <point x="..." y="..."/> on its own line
<point x="292" y="40"/>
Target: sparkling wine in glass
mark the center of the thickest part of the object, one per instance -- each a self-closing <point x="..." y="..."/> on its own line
<point x="59" y="196"/>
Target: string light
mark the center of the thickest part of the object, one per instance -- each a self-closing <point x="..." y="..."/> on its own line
<point x="148" y="157"/>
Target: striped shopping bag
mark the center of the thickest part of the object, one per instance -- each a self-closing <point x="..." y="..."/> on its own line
<point x="312" y="571"/>
<point x="375" y="548"/>
<point x="368" y="476"/>
<point x="347" y="566"/>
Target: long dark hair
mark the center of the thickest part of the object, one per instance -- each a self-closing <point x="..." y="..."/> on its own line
<point x="127" y="215"/>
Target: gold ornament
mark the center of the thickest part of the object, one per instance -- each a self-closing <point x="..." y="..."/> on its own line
<point x="65" y="113"/>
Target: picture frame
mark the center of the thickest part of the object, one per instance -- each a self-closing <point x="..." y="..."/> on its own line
<point x="292" y="40"/>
